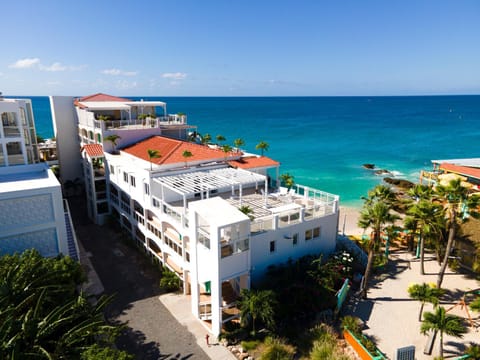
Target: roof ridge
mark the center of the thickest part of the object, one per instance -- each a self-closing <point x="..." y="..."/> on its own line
<point x="164" y="158"/>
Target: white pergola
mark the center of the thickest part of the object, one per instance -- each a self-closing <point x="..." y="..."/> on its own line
<point x="207" y="182"/>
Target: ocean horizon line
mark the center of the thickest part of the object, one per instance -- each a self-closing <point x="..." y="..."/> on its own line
<point x="266" y="96"/>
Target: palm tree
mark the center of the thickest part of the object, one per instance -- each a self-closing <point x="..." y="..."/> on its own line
<point x="257" y="304"/>
<point x="237" y="143"/>
<point x="287" y="180"/>
<point x="424" y="293"/>
<point x="187" y="154"/>
<point x="458" y="205"/>
<point x="153" y="154"/>
<point x="226" y="149"/>
<point x="220" y="138"/>
<point x="206" y="138"/>
<point x="426" y="219"/>
<point x="376" y="214"/>
<point x="247" y="210"/>
<point x="263" y="146"/>
<point x="475" y="304"/>
<point x="113" y="139"/>
<point x="439" y="321"/>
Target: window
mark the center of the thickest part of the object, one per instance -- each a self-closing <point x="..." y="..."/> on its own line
<point x="125" y="177"/>
<point x="99" y="138"/>
<point x="132" y="181"/>
<point x="295" y="239"/>
<point x="156" y="203"/>
<point x="272" y="246"/>
<point x="316" y="232"/>
<point x="90" y="135"/>
<point x="112" y="169"/>
<point x="308" y="235"/>
<point x="146" y="189"/>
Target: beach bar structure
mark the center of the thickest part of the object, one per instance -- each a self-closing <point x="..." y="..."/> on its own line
<point x="468" y="170"/>
<point x="215" y="218"/>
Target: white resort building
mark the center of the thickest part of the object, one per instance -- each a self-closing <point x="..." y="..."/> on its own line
<point x="216" y="218"/>
<point x="32" y="211"/>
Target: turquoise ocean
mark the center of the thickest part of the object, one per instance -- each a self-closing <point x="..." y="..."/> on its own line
<point x="323" y="141"/>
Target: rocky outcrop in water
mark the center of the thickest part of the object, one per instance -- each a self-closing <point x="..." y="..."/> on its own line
<point x="400" y="183"/>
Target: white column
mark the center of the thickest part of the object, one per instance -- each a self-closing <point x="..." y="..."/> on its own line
<point x="216" y="286"/>
<point x="193" y="221"/>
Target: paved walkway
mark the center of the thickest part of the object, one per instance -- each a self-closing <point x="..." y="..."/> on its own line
<point x="179" y="307"/>
<point x="392" y="317"/>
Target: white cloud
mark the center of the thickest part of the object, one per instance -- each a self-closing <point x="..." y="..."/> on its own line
<point x="56" y="66"/>
<point x="118" y="72"/>
<point x="25" y="63"/>
<point x="175" y="76"/>
<point x="125" y="85"/>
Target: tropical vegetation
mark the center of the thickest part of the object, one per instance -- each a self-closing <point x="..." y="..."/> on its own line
<point x="376" y="214"/>
<point x="169" y="281"/>
<point x="458" y="206"/>
<point x="424" y="293"/>
<point x="186" y="155"/>
<point x="257" y="305"/>
<point x="153" y="154"/>
<point x="42" y="313"/>
<point x="114" y="140"/>
<point x="445" y="324"/>
<point x="262" y="146"/>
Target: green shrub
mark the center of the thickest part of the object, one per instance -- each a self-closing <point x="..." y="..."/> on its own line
<point x="474" y="351"/>
<point x="352" y="323"/>
<point x="277" y="349"/>
<point x="250" y="345"/>
<point x="96" y="352"/>
<point x="169" y="281"/>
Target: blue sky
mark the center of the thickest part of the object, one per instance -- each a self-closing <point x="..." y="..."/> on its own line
<point x="240" y="48"/>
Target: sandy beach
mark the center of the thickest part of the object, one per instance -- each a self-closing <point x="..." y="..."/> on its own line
<point x="348" y="221"/>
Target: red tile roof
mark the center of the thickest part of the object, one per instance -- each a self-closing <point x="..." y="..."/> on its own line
<point x="461" y="170"/>
<point x="252" y="162"/>
<point x="98" y="97"/>
<point x="171" y="151"/>
<point x="102" y="97"/>
<point x="93" y="150"/>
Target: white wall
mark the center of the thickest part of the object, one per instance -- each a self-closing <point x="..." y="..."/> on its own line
<point x="261" y="257"/>
<point x="66" y="132"/>
<point x="33" y="217"/>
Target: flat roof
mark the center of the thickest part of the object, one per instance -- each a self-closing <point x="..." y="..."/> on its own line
<point x="146" y="103"/>
<point x="26" y="177"/>
<point x="217" y="211"/>
<point x="104" y="105"/>
<point x="473" y="162"/>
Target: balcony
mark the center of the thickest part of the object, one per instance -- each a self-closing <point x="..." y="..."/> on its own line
<point x="170" y="120"/>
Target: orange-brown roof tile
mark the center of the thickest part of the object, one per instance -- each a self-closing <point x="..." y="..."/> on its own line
<point x="461" y="170"/>
<point x="93" y="150"/>
<point x="98" y="97"/>
<point x="252" y="162"/>
<point x="171" y="151"/>
<point x="102" y="97"/>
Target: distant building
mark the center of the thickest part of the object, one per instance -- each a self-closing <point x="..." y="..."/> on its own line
<point x="468" y="170"/>
<point x="18" y="142"/>
<point x="213" y="215"/>
<point x="32" y="212"/>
